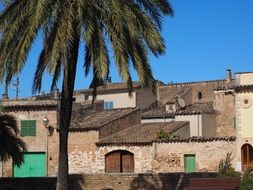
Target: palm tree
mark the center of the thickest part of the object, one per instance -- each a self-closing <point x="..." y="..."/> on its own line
<point x="11" y="146"/>
<point x="131" y="28"/>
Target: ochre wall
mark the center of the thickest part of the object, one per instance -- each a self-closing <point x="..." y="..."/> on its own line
<point x="120" y="100"/>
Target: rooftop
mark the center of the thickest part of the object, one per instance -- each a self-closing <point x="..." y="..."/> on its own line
<point x="93" y="120"/>
<point x="142" y="133"/>
<point x="194" y="109"/>
<point x="111" y="87"/>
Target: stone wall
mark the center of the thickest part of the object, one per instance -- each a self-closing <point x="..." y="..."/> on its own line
<point x="83" y="153"/>
<point x="85" y="157"/>
<point x="169" y="157"/>
<point x="224" y="105"/>
<point x="166" y="181"/>
<point x="144" y="98"/>
<point x="206" y="88"/>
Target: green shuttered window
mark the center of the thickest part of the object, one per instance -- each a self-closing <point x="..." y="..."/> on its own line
<point x="28" y="128"/>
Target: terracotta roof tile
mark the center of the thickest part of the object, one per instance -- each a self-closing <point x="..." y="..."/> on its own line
<point x="142" y="133"/>
<point x="93" y="120"/>
<point x="22" y="103"/>
<point x="195" y="139"/>
<point x="111" y="87"/>
<point x="160" y="112"/>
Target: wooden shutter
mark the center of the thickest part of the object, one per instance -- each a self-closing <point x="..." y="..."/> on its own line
<point x="28" y="128"/>
<point x="112" y="162"/>
<point x="127" y="159"/>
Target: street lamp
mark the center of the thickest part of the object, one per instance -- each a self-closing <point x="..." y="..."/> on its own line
<point x="46" y="122"/>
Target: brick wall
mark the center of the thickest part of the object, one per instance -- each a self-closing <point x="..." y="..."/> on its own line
<point x="174" y="181"/>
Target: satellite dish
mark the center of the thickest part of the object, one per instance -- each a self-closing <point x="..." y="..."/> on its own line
<point x="181" y="102"/>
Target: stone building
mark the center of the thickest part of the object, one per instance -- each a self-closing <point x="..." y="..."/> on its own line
<point x="201" y="121"/>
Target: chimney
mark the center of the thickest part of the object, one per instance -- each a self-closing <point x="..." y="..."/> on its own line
<point x="228" y="76"/>
<point x="56" y="93"/>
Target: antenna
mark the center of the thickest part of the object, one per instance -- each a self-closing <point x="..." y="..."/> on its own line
<point x="15" y="84"/>
<point x="181" y="102"/>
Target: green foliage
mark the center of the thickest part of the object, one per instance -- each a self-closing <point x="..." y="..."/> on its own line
<point x="11" y="146"/>
<point x="161" y="134"/>
<point x="1" y="107"/>
<point x="132" y="28"/>
<point x="225" y="167"/>
<point x="246" y="181"/>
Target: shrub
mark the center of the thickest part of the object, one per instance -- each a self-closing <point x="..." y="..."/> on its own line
<point x="246" y="181"/>
<point x="161" y="134"/>
<point x="225" y="167"/>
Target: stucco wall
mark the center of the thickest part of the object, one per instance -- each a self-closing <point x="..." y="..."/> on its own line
<point x="244" y="119"/>
<point x="195" y="123"/>
<point x="169" y="157"/>
<point x="120" y="100"/>
<point x="245" y="78"/>
<point x="208" y="125"/>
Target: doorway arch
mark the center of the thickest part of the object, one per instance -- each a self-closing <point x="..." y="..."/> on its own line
<point x="247" y="157"/>
<point x="119" y="161"/>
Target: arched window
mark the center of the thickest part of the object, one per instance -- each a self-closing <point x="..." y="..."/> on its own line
<point x="119" y="161"/>
<point x="247" y="157"/>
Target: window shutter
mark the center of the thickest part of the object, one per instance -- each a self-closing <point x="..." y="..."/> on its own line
<point x="28" y="128"/>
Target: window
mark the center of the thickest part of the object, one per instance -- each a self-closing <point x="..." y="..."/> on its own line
<point x="28" y="128"/>
<point x="190" y="163"/>
<point x="108" y="105"/>
<point x="200" y="96"/>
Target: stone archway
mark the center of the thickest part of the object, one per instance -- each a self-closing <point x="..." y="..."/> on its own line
<point x="247" y="157"/>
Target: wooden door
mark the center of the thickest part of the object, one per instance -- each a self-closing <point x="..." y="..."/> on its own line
<point x="190" y="163"/>
<point x="127" y="162"/>
<point x="112" y="162"/>
<point x="119" y="161"/>
<point x="247" y="157"/>
<point x="34" y="166"/>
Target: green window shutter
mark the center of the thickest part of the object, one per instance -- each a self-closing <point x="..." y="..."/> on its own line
<point x="28" y="128"/>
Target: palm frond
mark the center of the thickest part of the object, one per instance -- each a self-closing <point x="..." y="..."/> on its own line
<point x="11" y="146"/>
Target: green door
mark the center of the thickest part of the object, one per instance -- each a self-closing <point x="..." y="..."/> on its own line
<point x="34" y="166"/>
<point x="190" y="163"/>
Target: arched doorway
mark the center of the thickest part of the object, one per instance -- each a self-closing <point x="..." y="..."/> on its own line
<point x="247" y="157"/>
<point x="119" y="161"/>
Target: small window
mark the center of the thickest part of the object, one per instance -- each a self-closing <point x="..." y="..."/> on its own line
<point x="28" y="128"/>
<point x="234" y="122"/>
<point x="200" y="96"/>
<point x="108" y="105"/>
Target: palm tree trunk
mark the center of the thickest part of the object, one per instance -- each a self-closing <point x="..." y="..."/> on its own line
<point x="65" y="114"/>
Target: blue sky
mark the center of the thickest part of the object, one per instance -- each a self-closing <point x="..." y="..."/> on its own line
<point x="203" y="39"/>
